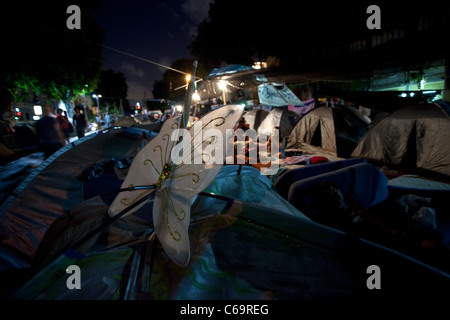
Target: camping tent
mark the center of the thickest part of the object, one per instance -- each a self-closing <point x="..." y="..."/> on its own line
<point x="250" y="245"/>
<point x="245" y="240"/>
<point x="279" y="117"/>
<point x="336" y="129"/>
<point x="55" y="186"/>
<point x="254" y="118"/>
<point x="414" y="136"/>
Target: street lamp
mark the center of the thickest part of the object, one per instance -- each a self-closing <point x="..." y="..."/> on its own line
<point x="196" y="96"/>
<point x="96" y="96"/>
<point x="223" y="86"/>
<point x="188" y="78"/>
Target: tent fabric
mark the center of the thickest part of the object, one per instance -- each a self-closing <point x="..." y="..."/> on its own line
<point x="241" y="249"/>
<point x="247" y="252"/>
<point x="77" y="222"/>
<point x="100" y="280"/>
<point x="414" y="136"/>
<point x="247" y="184"/>
<point x="277" y="96"/>
<point x="55" y="188"/>
<point x="307" y="106"/>
<point x="254" y="118"/>
<point x="412" y="182"/>
<point x="244" y="183"/>
<point x="361" y="181"/>
<point x="279" y="117"/>
<point x="336" y="129"/>
<point x="284" y="182"/>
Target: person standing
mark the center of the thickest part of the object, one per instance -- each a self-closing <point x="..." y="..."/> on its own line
<point x="107" y="120"/>
<point x="51" y="137"/>
<point x="80" y="122"/>
<point x="64" y="124"/>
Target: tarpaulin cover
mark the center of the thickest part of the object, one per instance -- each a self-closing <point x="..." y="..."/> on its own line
<point x="416" y="135"/>
<point x="277" y="96"/>
<point x="229" y="69"/>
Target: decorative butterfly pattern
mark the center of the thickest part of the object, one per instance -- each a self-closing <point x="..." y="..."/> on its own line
<point x="177" y="180"/>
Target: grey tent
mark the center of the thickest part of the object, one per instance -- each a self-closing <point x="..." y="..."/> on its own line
<point x="254" y="118"/>
<point x="279" y="117"/>
<point x="336" y="129"/>
<point x="414" y="136"/>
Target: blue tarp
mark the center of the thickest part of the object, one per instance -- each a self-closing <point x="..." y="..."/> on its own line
<point x="229" y="69"/>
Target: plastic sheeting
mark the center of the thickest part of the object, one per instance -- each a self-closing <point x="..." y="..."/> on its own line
<point x="229" y="69"/>
<point x="277" y="96"/>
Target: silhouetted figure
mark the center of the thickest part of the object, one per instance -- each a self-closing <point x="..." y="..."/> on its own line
<point x="51" y="137"/>
<point x="80" y="122"/>
<point x="64" y="123"/>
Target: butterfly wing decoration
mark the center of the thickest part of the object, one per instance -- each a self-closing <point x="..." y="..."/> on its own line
<point x="189" y="174"/>
<point x="146" y="168"/>
<point x="178" y="176"/>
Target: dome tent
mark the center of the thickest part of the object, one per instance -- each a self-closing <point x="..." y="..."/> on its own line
<point x="240" y="230"/>
<point x="279" y="117"/>
<point x="243" y="247"/>
<point x="336" y="129"/>
<point x="254" y="118"/>
<point x="414" y="136"/>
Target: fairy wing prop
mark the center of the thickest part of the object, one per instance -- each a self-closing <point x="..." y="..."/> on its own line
<point x="146" y="168"/>
<point x="179" y="176"/>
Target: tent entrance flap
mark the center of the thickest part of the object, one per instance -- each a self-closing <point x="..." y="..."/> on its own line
<point x="410" y="156"/>
<point x="316" y="139"/>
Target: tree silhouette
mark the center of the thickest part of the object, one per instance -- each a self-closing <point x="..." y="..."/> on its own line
<point x="42" y="56"/>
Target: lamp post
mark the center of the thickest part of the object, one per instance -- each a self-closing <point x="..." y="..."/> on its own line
<point x="223" y="86"/>
<point x="96" y="96"/>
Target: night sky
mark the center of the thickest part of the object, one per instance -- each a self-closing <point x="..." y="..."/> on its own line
<point x="159" y="31"/>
